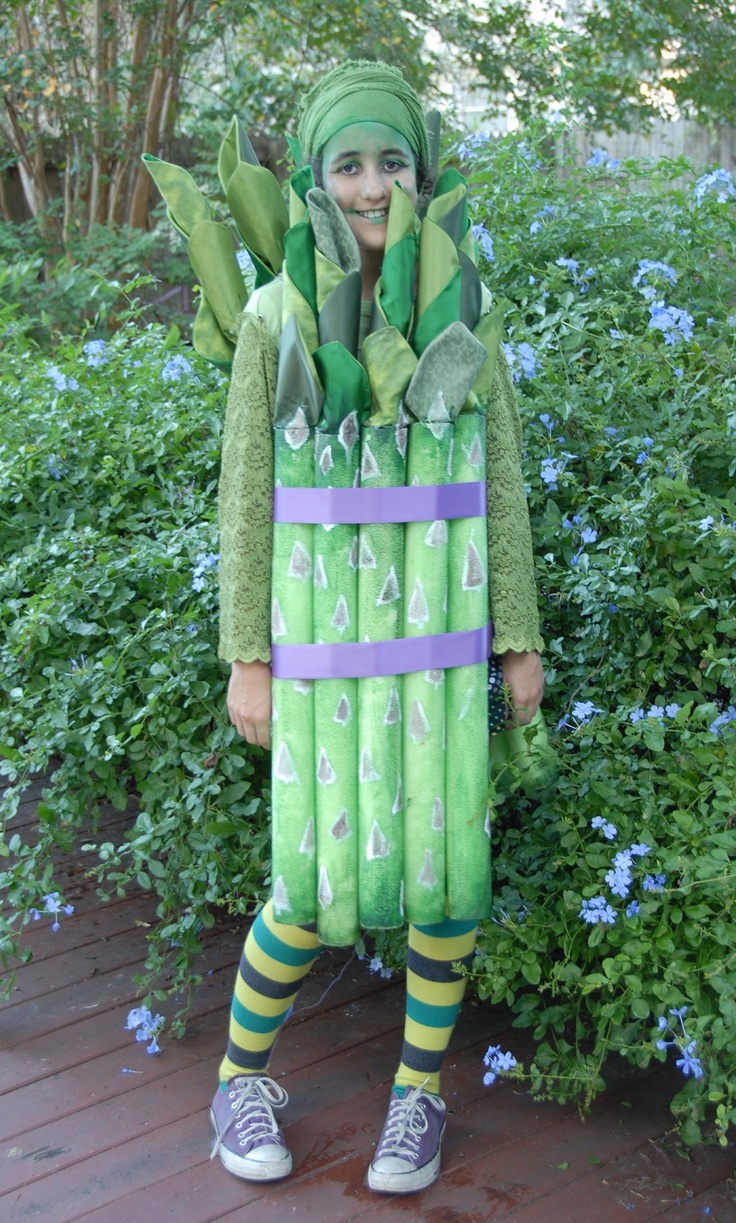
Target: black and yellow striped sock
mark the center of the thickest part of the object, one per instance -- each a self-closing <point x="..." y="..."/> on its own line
<point x="275" y="960"/>
<point x="434" y="993"/>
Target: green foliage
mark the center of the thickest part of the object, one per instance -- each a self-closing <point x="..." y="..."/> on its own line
<point x="108" y="465"/>
<point x="630" y="463"/>
<point x="606" y="63"/>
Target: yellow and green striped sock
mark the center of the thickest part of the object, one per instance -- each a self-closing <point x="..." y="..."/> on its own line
<point x="275" y="960"/>
<point x="434" y="993"/>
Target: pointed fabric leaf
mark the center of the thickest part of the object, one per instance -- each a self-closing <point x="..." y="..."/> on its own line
<point x="445" y="374"/>
<point x="257" y="204"/>
<point x="454" y="221"/>
<point x="339" y="317"/>
<point x="439" y="286"/>
<point x="471" y="297"/>
<point x="395" y="289"/>
<point x="489" y="331"/>
<point x="209" y="339"/>
<point x="346" y="386"/>
<point x="332" y="234"/>
<point x="390" y="362"/>
<point x="300" y="281"/>
<point x="212" y="255"/>
<point x="300" y="183"/>
<point x="235" y="147"/>
<point x="297" y="384"/>
<point x="185" y="203"/>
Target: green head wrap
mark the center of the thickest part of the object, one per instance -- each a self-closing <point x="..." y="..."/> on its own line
<point x="360" y="91"/>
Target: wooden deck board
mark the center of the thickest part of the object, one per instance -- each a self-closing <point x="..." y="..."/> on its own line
<point x="93" y="1128"/>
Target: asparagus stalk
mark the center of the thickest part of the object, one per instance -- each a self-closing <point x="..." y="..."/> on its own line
<point x="335" y="621"/>
<point x="468" y="825"/>
<point x="297" y="409"/>
<point x="436" y="394"/>
<point x="390" y="363"/>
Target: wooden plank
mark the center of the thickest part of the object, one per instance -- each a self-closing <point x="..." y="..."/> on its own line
<point x="99" y="1077"/>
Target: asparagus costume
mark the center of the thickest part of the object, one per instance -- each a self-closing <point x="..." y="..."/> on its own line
<point x="379" y="601"/>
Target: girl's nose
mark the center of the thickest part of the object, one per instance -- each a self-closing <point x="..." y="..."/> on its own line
<point x="373" y="185"/>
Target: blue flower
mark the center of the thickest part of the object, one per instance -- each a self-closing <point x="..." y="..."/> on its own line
<point x="53" y="906"/>
<point x="208" y="561"/>
<point x="547" y="421"/>
<point x="675" y="324"/>
<point x="640" y="850"/>
<point x="175" y="368"/>
<point x="149" y="1027"/>
<point x="724" y="719"/>
<point x="377" y="965"/>
<point x="599" y="159"/>
<point x="655" y="711"/>
<point x="719" y="180"/>
<point x="689" y="1063"/>
<point x="647" y="267"/>
<point x="636" y="715"/>
<point x="588" y="535"/>
<point x="485" y="242"/>
<point x="56" y="469"/>
<point x="521" y="359"/>
<point x="632" y="909"/>
<point x="550" y="471"/>
<point x="706" y="523"/>
<point x="615" y="334"/>
<point x="583" y="711"/>
<point x="60" y="380"/>
<point x="597" y="910"/>
<point x="610" y="831"/>
<point x="572" y="265"/>
<point x="498" y="1063"/>
<point x="654" y="883"/>
<point x="96" y="353"/>
<point x="672" y="709"/>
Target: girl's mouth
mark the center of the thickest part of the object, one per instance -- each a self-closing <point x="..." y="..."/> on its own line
<point x="373" y="214"/>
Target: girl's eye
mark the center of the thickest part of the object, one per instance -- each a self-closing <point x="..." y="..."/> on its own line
<point x="394" y="166"/>
<point x="350" y="167"/>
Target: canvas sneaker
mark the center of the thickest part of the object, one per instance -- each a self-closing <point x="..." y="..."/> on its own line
<point x="408" y="1154"/>
<point x="248" y="1140"/>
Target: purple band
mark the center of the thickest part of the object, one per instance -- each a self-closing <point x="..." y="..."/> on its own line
<point x="362" y="659"/>
<point x="403" y="503"/>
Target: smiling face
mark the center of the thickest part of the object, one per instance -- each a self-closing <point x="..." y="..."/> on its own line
<point x="359" y="168"/>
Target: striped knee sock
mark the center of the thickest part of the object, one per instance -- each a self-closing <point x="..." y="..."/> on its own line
<point x="275" y="960"/>
<point x="433" y="997"/>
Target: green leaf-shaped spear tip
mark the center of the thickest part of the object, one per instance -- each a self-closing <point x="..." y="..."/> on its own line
<point x="186" y="206"/>
<point x="297" y="409"/>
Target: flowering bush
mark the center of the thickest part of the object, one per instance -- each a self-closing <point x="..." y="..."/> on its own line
<point x="108" y="468"/>
<point x="614" y="914"/>
<point x="613" y="928"/>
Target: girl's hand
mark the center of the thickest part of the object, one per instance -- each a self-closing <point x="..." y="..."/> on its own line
<point x="249" y="701"/>
<point x="523" y="675"/>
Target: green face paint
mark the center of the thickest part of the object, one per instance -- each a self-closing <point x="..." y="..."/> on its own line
<point x="359" y="168"/>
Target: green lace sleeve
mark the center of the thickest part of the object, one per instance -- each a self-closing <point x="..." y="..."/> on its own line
<point x="246" y="497"/>
<point x="513" y="593"/>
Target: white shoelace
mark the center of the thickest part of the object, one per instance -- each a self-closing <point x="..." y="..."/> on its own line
<point x="405" y="1124"/>
<point x="252" y="1102"/>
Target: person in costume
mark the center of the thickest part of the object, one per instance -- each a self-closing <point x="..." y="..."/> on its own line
<point x="363" y="130"/>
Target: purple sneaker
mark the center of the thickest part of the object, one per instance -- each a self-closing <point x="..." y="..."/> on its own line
<point x="408" y="1154"/>
<point x="249" y="1141"/>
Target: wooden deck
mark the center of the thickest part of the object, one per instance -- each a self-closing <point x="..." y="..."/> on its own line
<point x="94" y="1128"/>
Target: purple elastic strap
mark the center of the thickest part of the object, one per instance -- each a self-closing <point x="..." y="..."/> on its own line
<point x="363" y="659"/>
<point x="402" y="503"/>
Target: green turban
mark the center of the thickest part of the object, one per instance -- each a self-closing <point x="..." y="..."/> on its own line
<point x="361" y="91"/>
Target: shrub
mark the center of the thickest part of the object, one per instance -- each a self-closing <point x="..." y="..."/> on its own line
<point x="613" y="926"/>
